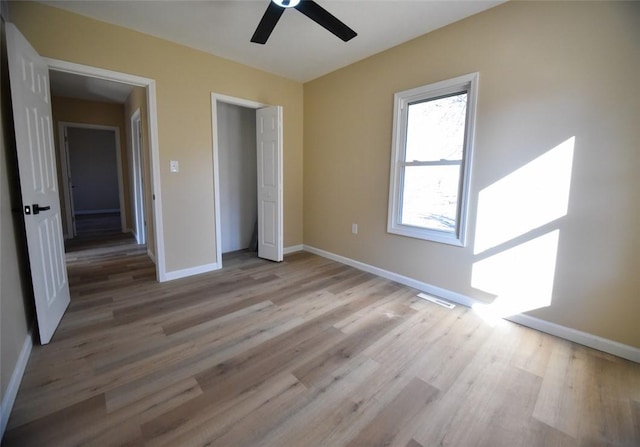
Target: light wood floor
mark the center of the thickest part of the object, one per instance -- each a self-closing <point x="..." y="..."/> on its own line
<point x="307" y="352"/>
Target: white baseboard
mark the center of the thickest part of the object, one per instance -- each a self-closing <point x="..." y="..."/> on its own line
<point x="293" y="249"/>
<point x="177" y="274"/>
<point x="422" y="286"/>
<point x="10" y="394"/>
<point x="583" y="338"/>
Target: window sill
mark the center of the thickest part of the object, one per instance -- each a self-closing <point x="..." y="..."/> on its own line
<point x="427" y="235"/>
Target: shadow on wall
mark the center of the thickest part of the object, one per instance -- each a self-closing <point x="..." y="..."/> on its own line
<point x="517" y="234"/>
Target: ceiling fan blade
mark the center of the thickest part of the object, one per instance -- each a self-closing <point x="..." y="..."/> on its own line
<point x="267" y="23"/>
<point x="325" y="19"/>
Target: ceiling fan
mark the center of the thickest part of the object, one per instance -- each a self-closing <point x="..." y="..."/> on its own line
<point x="307" y="7"/>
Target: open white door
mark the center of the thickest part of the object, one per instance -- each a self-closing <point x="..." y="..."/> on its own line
<point x="29" y="78"/>
<point x="269" y="145"/>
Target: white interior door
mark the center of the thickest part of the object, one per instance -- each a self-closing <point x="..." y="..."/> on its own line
<point x="269" y="146"/>
<point x="29" y="78"/>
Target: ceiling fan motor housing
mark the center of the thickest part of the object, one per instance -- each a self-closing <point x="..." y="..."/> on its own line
<point x="309" y="8"/>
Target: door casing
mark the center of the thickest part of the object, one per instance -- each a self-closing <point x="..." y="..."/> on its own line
<point x="138" y="218"/>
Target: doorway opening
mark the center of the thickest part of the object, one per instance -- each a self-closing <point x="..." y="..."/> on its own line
<point x="92" y="179"/>
<point x="238" y="179"/>
<point x="145" y="224"/>
<point x="247" y="169"/>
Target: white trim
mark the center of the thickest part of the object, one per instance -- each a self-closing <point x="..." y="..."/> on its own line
<point x="576" y="336"/>
<point x="592" y="341"/>
<point x="137" y="175"/>
<point x="95" y="72"/>
<point x="11" y="393"/>
<point x="422" y="286"/>
<point x="150" y="85"/>
<point x="156" y="196"/>
<point x="248" y="103"/>
<point x="177" y="274"/>
<point x="293" y="249"/>
<point x="217" y="213"/>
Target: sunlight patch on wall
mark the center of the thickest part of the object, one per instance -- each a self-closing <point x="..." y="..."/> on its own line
<point x="526" y="199"/>
<point x="521" y="277"/>
<point x="520" y="267"/>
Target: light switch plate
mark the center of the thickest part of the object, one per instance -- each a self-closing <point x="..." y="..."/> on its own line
<point x="174" y="166"/>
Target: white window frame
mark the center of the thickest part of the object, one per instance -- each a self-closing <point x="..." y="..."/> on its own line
<point x="402" y="100"/>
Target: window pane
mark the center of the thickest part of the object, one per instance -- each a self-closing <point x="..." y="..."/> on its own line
<point x="435" y="129"/>
<point x="430" y="197"/>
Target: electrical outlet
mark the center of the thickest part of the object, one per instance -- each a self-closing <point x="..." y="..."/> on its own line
<point x="174" y="166"/>
<point x="354" y="228"/>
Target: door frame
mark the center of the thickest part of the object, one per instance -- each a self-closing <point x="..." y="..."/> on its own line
<point x="215" y="98"/>
<point x="152" y="128"/>
<point x="66" y="172"/>
<point x="140" y="231"/>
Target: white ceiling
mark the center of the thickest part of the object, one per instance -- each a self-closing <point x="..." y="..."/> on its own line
<point x="82" y="87"/>
<point x="298" y="49"/>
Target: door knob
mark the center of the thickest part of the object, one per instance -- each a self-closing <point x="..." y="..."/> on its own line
<point x="35" y="209"/>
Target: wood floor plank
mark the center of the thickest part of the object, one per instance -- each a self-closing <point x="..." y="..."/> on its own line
<point x="320" y="401"/>
<point x="206" y="421"/>
<point x="464" y="411"/>
<point x="239" y="377"/>
<point x="561" y="395"/>
<point x="354" y="343"/>
<point x="58" y="424"/>
<point x="393" y="419"/>
<point x="305" y="352"/>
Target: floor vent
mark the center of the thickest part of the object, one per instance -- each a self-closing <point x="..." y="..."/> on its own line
<point x="436" y="300"/>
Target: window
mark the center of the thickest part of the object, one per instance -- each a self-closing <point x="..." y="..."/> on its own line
<point x="431" y="160"/>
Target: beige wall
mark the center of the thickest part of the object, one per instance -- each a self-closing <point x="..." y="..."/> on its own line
<point x="16" y="309"/>
<point x="549" y="71"/>
<point x="137" y="100"/>
<point x="79" y="111"/>
<point x="185" y="79"/>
